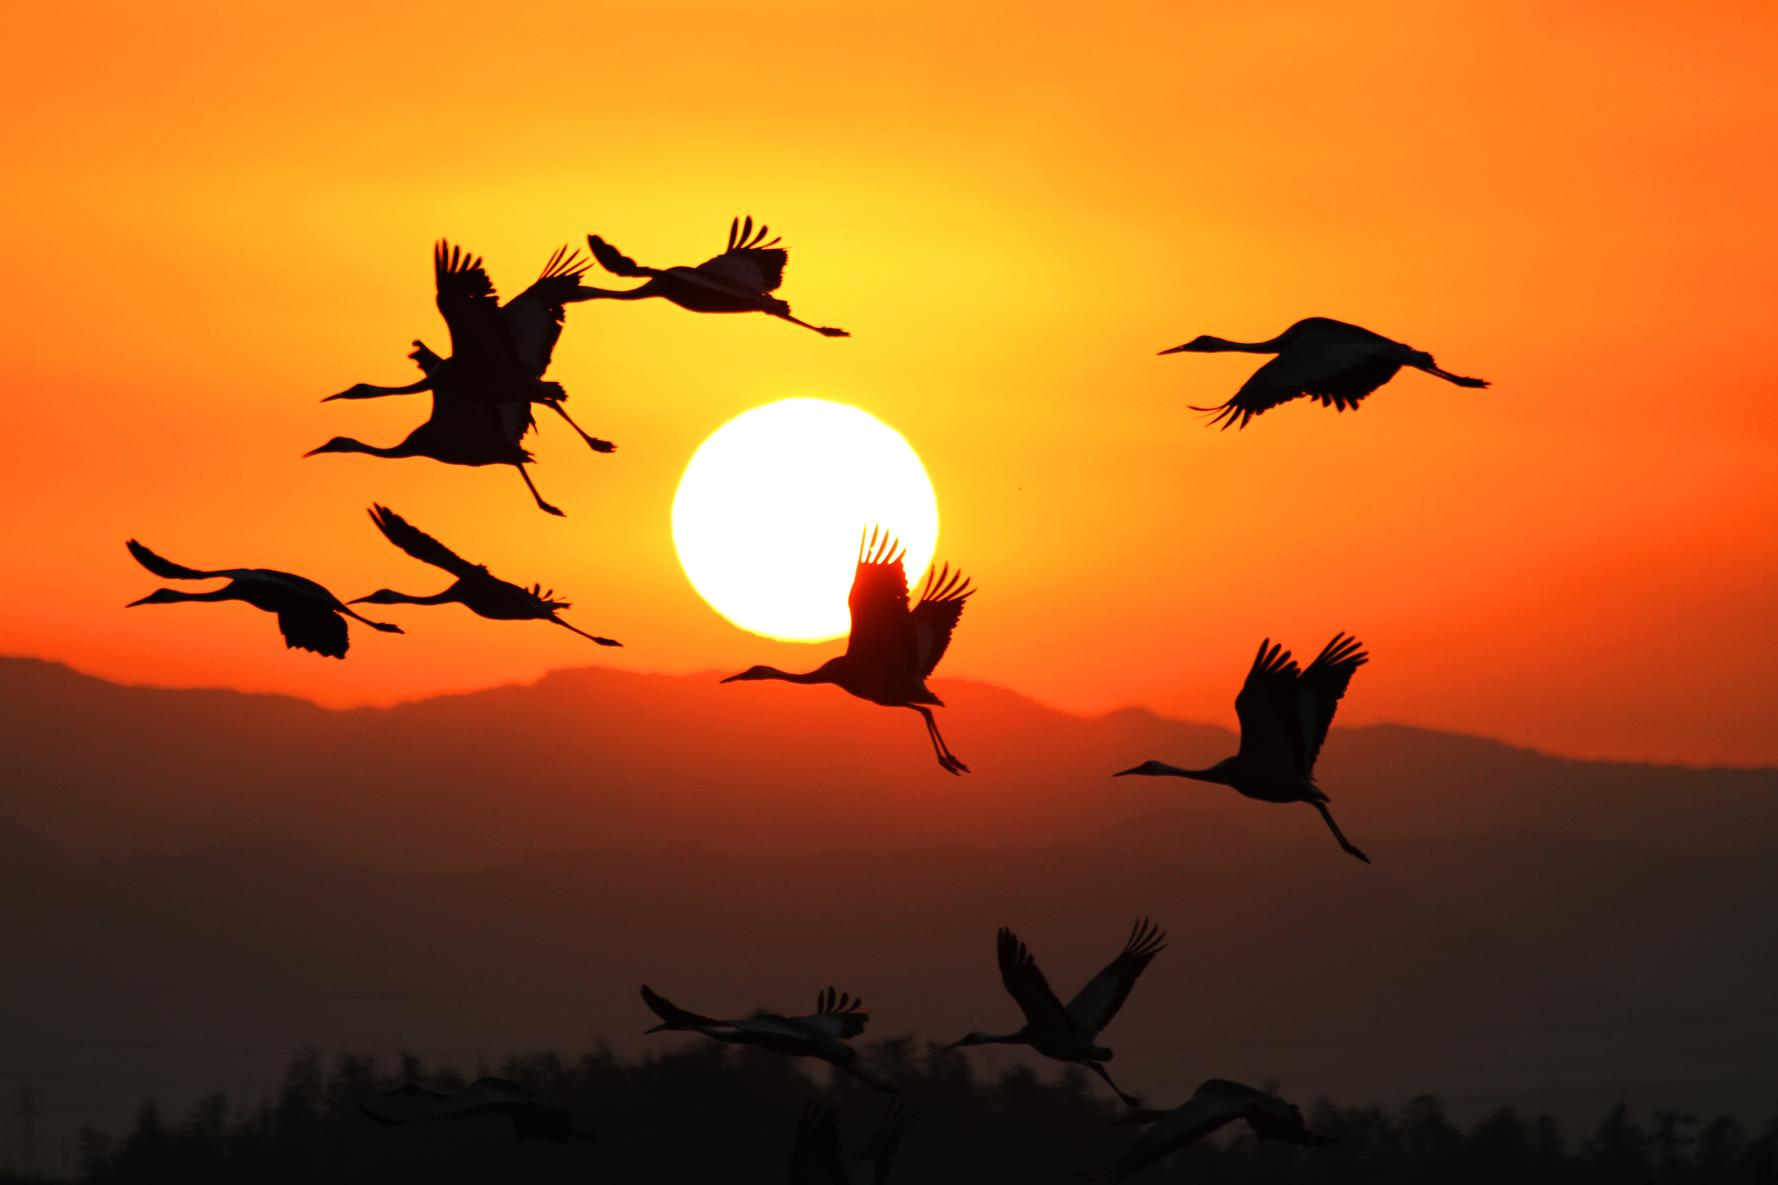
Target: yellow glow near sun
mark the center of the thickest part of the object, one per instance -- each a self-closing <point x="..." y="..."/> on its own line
<point x="767" y="517"/>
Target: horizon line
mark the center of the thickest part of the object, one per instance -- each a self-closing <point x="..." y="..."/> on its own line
<point x="690" y="676"/>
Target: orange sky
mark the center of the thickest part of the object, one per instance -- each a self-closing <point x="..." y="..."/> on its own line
<point x="220" y="213"/>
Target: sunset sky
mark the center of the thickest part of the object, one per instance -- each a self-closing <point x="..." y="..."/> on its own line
<point x="220" y="213"/>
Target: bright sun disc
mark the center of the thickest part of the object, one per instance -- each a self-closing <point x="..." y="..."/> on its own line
<point x="768" y="514"/>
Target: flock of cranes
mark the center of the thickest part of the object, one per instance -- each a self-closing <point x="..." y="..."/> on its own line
<point x="1065" y="1033"/>
<point x="483" y="398"/>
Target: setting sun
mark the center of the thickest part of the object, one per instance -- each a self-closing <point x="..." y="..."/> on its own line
<point x="768" y="515"/>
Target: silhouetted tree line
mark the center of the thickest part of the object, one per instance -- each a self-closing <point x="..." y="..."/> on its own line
<point x="710" y="1114"/>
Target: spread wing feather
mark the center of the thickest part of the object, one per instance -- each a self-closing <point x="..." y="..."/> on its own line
<point x="879" y="604"/>
<point x="166" y="569"/>
<point x="837" y="1014"/>
<point x="881" y="1148"/>
<point x="615" y="261"/>
<point x="935" y="617"/>
<point x="815" y="1159"/>
<point x="1027" y="986"/>
<point x="1106" y="992"/>
<point x="315" y="628"/>
<point x="1322" y="686"/>
<point x="671" y="1012"/>
<point x="751" y="261"/>
<point x="534" y="317"/>
<point x="1337" y="365"/>
<point x="468" y="303"/>
<point x="1214" y="1105"/>
<point x="1266" y="707"/>
<point x="419" y="544"/>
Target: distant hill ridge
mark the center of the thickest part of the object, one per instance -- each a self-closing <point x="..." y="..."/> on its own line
<point x="600" y="759"/>
<point x="195" y="883"/>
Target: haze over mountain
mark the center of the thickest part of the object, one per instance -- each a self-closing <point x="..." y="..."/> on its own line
<point x="195" y="883"/>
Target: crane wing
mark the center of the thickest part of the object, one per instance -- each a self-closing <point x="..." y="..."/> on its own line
<point x="837" y="1015"/>
<point x="302" y="586"/>
<point x="462" y="408"/>
<point x="315" y="628"/>
<point x="167" y="570"/>
<point x="755" y="271"/>
<point x="815" y="1159"/>
<point x="534" y="317"/>
<point x="615" y="261"/>
<point x="750" y="262"/>
<point x="881" y="632"/>
<point x="1106" y="992"/>
<point x="495" y="1094"/>
<point x="483" y="1096"/>
<point x="1267" y="708"/>
<point x="1321" y="687"/>
<point x="1269" y="1117"/>
<point x="1336" y="364"/>
<point x="672" y="1013"/>
<point x="1213" y="1105"/>
<point x="419" y="544"/>
<point x="1026" y="985"/>
<point x="427" y="1109"/>
<point x="1343" y="388"/>
<point x="468" y="303"/>
<point x="881" y="1148"/>
<point x="935" y="617"/>
<point x="1169" y="1131"/>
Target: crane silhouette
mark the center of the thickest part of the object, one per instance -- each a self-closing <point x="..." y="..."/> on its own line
<point x="821" y="1034"/>
<point x="740" y="280"/>
<point x="533" y="1116"/>
<point x="476" y="588"/>
<point x="892" y="649"/>
<point x="467" y="425"/>
<point x="1284" y="715"/>
<point x="1069" y="1034"/>
<point x="1330" y="361"/>
<point x="1215" y="1104"/>
<point x="817" y="1157"/>
<point x="309" y="617"/>
<point x="533" y="322"/>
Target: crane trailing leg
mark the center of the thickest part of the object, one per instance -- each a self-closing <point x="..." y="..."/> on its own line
<point x="947" y="759"/>
<point x="541" y="504"/>
<point x="593" y="442"/>
<point x="1128" y="1100"/>
<point x="823" y="330"/>
<point x="1345" y="844"/>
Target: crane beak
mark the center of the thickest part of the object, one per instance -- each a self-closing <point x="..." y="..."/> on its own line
<point x="1174" y="350"/>
<point x="1124" y="773"/>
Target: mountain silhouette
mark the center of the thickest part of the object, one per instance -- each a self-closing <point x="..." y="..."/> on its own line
<point x="208" y="881"/>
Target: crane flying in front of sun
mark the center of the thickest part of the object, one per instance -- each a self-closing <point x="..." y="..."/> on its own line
<point x="764" y="520"/>
<point x="769" y="512"/>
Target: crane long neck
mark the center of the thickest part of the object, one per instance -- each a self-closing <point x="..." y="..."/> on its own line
<point x="588" y="292"/>
<point x="1022" y="1037"/>
<point x="1224" y="345"/>
<point x="1209" y="774"/>
<point x="226" y="593"/>
<point x="345" y="444"/>
<point x="820" y="674"/>
<point x="390" y="597"/>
